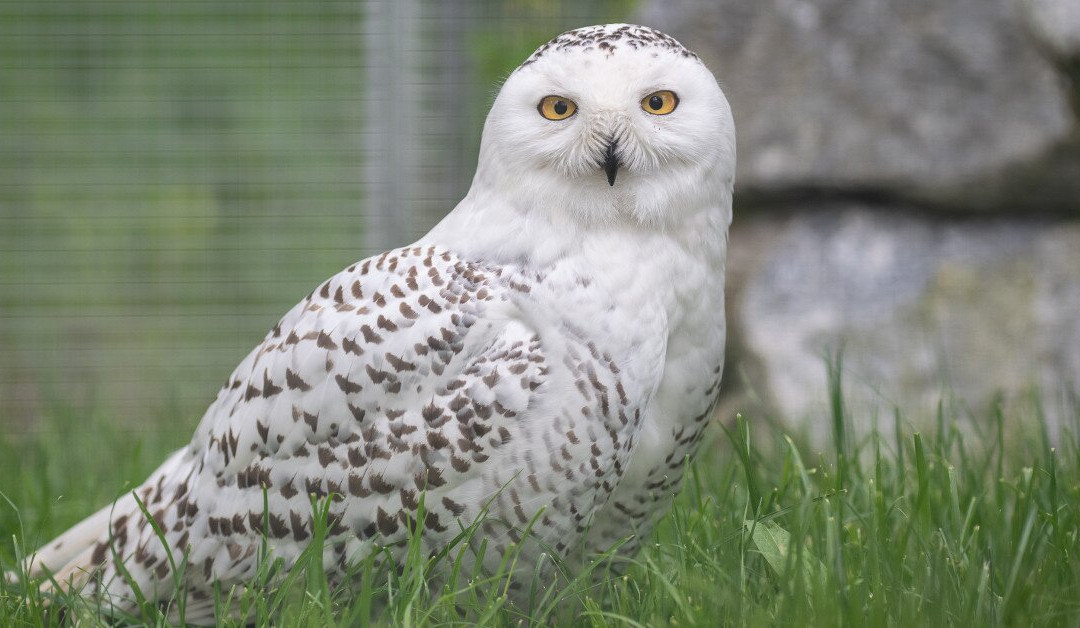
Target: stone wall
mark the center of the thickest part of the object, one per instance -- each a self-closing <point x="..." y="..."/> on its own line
<point x="908" y="190"/>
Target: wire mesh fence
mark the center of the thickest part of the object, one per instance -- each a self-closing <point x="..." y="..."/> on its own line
<point x="175" y="175"/>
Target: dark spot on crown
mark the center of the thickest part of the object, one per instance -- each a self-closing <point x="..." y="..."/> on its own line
<point x="602" y="38"/>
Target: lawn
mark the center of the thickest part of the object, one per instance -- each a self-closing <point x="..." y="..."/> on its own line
<point x="975" y="521"/>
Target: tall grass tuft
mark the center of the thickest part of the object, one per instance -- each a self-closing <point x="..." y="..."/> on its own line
<point x="973" y="521"/>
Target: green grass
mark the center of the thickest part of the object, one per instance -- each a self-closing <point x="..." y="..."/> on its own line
<point x="960" y="525"/>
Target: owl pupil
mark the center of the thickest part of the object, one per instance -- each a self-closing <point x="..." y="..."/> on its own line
<point x="560" y="107"/>
<point x="655" y="103"/>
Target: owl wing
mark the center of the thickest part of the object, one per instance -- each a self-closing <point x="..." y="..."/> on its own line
<point x="404" y="375"/>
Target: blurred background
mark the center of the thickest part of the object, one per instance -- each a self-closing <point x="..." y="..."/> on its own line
<point x="174" y="175"/>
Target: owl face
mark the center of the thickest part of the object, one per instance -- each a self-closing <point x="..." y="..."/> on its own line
<point x="611" y="123"/>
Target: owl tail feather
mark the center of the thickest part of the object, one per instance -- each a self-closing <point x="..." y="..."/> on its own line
<point x="86" y="560"/>
<point x="66" y="550"/>
<point x="70" y="558"/>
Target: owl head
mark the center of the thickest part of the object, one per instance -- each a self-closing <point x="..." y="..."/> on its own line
<point x="609" y="124"/>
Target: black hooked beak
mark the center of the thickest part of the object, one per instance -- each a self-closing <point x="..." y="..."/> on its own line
<point x="611" y="162"/>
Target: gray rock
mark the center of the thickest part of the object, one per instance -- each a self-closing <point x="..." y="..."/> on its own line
<point x="1056" y="23"/>
<point x="921" y="307"/>
<point x="944" y="102"/>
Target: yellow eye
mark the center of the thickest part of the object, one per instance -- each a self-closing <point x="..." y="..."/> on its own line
<point x="556" y="107"/>
<point x="660" y="103"/>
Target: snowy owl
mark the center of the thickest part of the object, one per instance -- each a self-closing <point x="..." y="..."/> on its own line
<point x="542" y="360"/>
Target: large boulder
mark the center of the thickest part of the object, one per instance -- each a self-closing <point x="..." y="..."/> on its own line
<point x="1056" y="23"/>
<point x="918" y="306"/>
<point x="955" y="104"/>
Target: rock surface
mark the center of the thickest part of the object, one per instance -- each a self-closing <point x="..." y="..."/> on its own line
<point x="923" y="100"/>
<point x="1056" y="23"/>
<point x="919" y="307"/>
